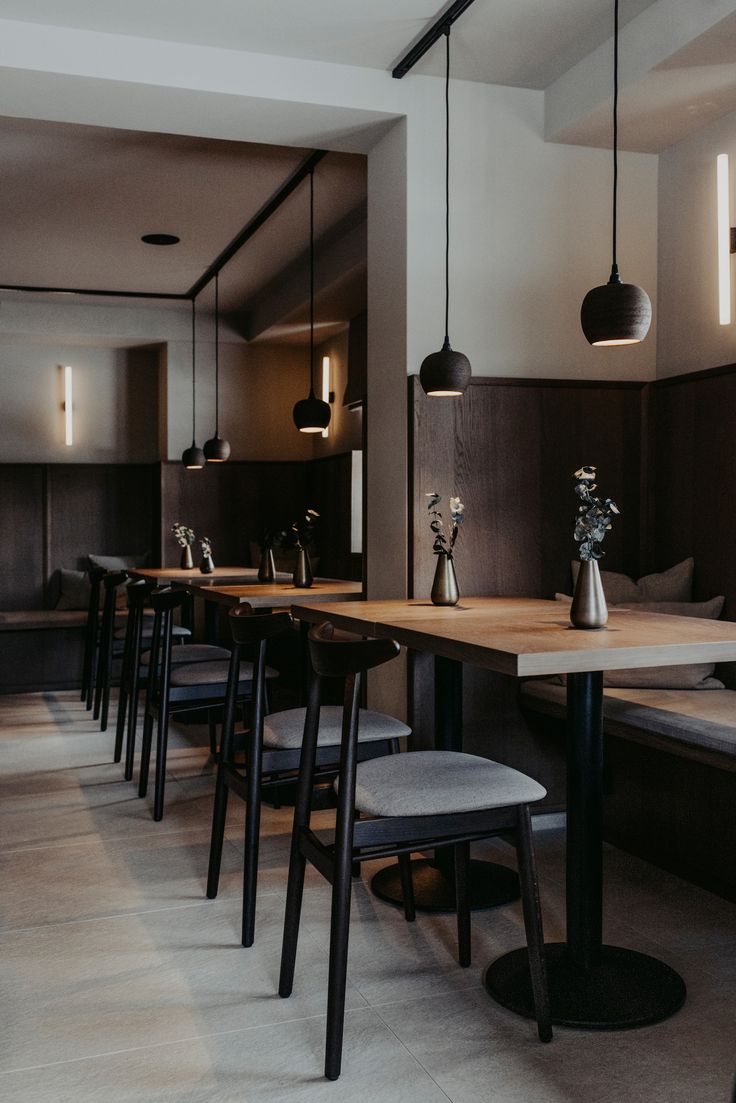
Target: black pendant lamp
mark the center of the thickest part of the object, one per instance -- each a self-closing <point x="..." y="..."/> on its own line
<point x="446" y="373"/>
<point x="311" y="415"/>
<point x="194" y="458"/>
<point x="616" y="313"/>
<point x="216" y="449"/>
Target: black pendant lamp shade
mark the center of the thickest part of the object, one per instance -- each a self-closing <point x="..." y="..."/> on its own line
<point x="216" y="449"/>
<point x="193" y="457"/>
<point x="311" y="414"/>
<point x="616" y="313"/>
<point x="446" y="373"/>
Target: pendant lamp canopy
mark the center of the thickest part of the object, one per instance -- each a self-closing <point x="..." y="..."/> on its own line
<point x="311" y="414"/>
<point x="446" y="373"/>
<point x="216" y="449"/>
<point x="193" y="457"/>
<point x="615" y="313"/>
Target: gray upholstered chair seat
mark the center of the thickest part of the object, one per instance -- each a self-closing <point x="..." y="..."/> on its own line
<point x="193" y="653"/>
<point x="211" y="673"/>
<point x="435" y="783"/>
<point x="177" y="631"/>
<point x="285" y="730"/>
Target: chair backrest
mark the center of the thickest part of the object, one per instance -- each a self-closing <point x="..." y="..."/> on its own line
<point x="249" y="628"/>
<point x="338" y="654"/>
<point x="164" y="599"/>
<point x="139" y="592"/>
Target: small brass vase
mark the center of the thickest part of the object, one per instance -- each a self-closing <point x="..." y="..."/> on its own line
<point x="588" y="609"/>
<point x="303" y="571"/>
<point x="186" y="562"/>
<point x="266" y="567"/>
<point x="444" y="587"/>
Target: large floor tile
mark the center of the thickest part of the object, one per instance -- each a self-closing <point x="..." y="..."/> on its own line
<point x="272" y="1064"/>
<point x="94" y="987"/>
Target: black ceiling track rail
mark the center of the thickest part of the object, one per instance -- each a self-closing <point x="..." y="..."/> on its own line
<point x="257" y="220"/>
<point x="300" y="173"/>
<point x="428" y="39"/>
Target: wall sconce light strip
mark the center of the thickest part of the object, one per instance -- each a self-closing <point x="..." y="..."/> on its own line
<point x="325" y="386"/>
<point x="724" y="240"/>
<point x="68" y="408"/>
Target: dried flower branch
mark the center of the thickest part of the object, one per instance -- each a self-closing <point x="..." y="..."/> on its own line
<point x="593" y="518"/>
<point x="182" y="534"/>
<point x="442" y="544"/>
<point x="303" y="528"/>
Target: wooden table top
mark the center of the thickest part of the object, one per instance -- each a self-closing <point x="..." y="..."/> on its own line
<point x="274" y="595"/>
<point x="526" y="636"/>
<point x="194" y="576"/>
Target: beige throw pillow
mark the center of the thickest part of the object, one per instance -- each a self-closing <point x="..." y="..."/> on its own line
<point x="675" y="584"/>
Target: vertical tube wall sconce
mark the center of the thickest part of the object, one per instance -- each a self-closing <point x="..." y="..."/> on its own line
<point x="325" y="387"/>
<point x="68" y="408"/>
<point x="724" y="241"/>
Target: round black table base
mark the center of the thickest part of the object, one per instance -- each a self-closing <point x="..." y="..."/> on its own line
<point x="627" y="989"/>
<point x="490" y="886"/>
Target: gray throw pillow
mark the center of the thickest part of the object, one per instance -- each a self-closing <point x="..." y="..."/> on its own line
<point x="74" y="590"/>
<point x="675" y="584"/>
<point x="118" y="562"/>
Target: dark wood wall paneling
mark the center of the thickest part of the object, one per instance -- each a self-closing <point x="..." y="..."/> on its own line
<point x="693" y="472"/>
<point x="509" y="449"/>
<point x="329" y="483"/>
<point x="22" y="522"/>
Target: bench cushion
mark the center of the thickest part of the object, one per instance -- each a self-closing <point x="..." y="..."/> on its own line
<point x="35" y="619"/>
<point x="684" y="717"/>
<point x="212" y="674"/>
<point x="437" y="783"/>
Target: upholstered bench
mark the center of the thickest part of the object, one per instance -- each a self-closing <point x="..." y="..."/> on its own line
<point x="670" y="759"/>
<point x="693" y="723"/>
<point x="41" y="649"/>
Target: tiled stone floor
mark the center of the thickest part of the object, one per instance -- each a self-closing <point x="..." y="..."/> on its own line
<point x="121" y="982"/>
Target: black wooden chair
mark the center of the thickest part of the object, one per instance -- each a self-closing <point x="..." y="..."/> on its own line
<point x="134" y="674"/>
<point x="272" y="750"/>
<point x="175" y="688"/>
<point x="416" y="800"/>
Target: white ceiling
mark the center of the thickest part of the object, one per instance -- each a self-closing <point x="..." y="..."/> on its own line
<point x="76" y="199"/>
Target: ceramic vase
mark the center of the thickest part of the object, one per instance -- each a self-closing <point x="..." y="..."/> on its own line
<point x="186" y="563"/>
<point x="444" y="587"/>
<point x="303" y="571"/>
<point x="588" y="609"/>
<point x="266" y="567"/>
<point x="207" y="565"/>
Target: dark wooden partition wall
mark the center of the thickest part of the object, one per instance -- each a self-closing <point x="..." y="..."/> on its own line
<point x="55" y="515"/>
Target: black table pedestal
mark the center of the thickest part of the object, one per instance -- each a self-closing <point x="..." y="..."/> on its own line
<point x="434" y="891"/>
<point x="623" y="989"/>
<point x="590" y="985"/>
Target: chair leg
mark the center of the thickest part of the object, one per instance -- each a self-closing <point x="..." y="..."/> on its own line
<point x="533" y="921"/>
<point x="162" y="739"/>
<point x="212" y="729"/>
<point x="145" y="754"/>
<point x="132" y="718"/>
<point x="252" y="838"/>
<point x="219" y="816"/>
<point x="123" y="698"/>
<point x="297" y="861"/>
<point x="462" y="902"/>
<point x="407" y="887"/>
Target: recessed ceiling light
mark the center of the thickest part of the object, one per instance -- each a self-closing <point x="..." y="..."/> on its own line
<point x="160" y="239"/>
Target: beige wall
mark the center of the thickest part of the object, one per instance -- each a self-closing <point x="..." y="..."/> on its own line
<point x="690" y="335"/>
<point x="115" y="404"/>
<point x="346" y="426"/>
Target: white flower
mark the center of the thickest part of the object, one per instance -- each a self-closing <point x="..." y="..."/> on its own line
<point x="456" y="506"/>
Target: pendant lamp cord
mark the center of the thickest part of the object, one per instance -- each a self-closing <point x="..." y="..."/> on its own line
<point x="311" y="283"/>
<point x="614" y="266"/>
<point x="194" y="374"/>
<point x="447" y="185"/>
<point x="217" y="354"/>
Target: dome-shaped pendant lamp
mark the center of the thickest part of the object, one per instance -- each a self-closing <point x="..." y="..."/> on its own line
<point x="193" y="457"/>
<point x="446" y="373"/>
<point x="311" y="414"/>
<point x="616" y="313"/>
<point x="216" y="449"/>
